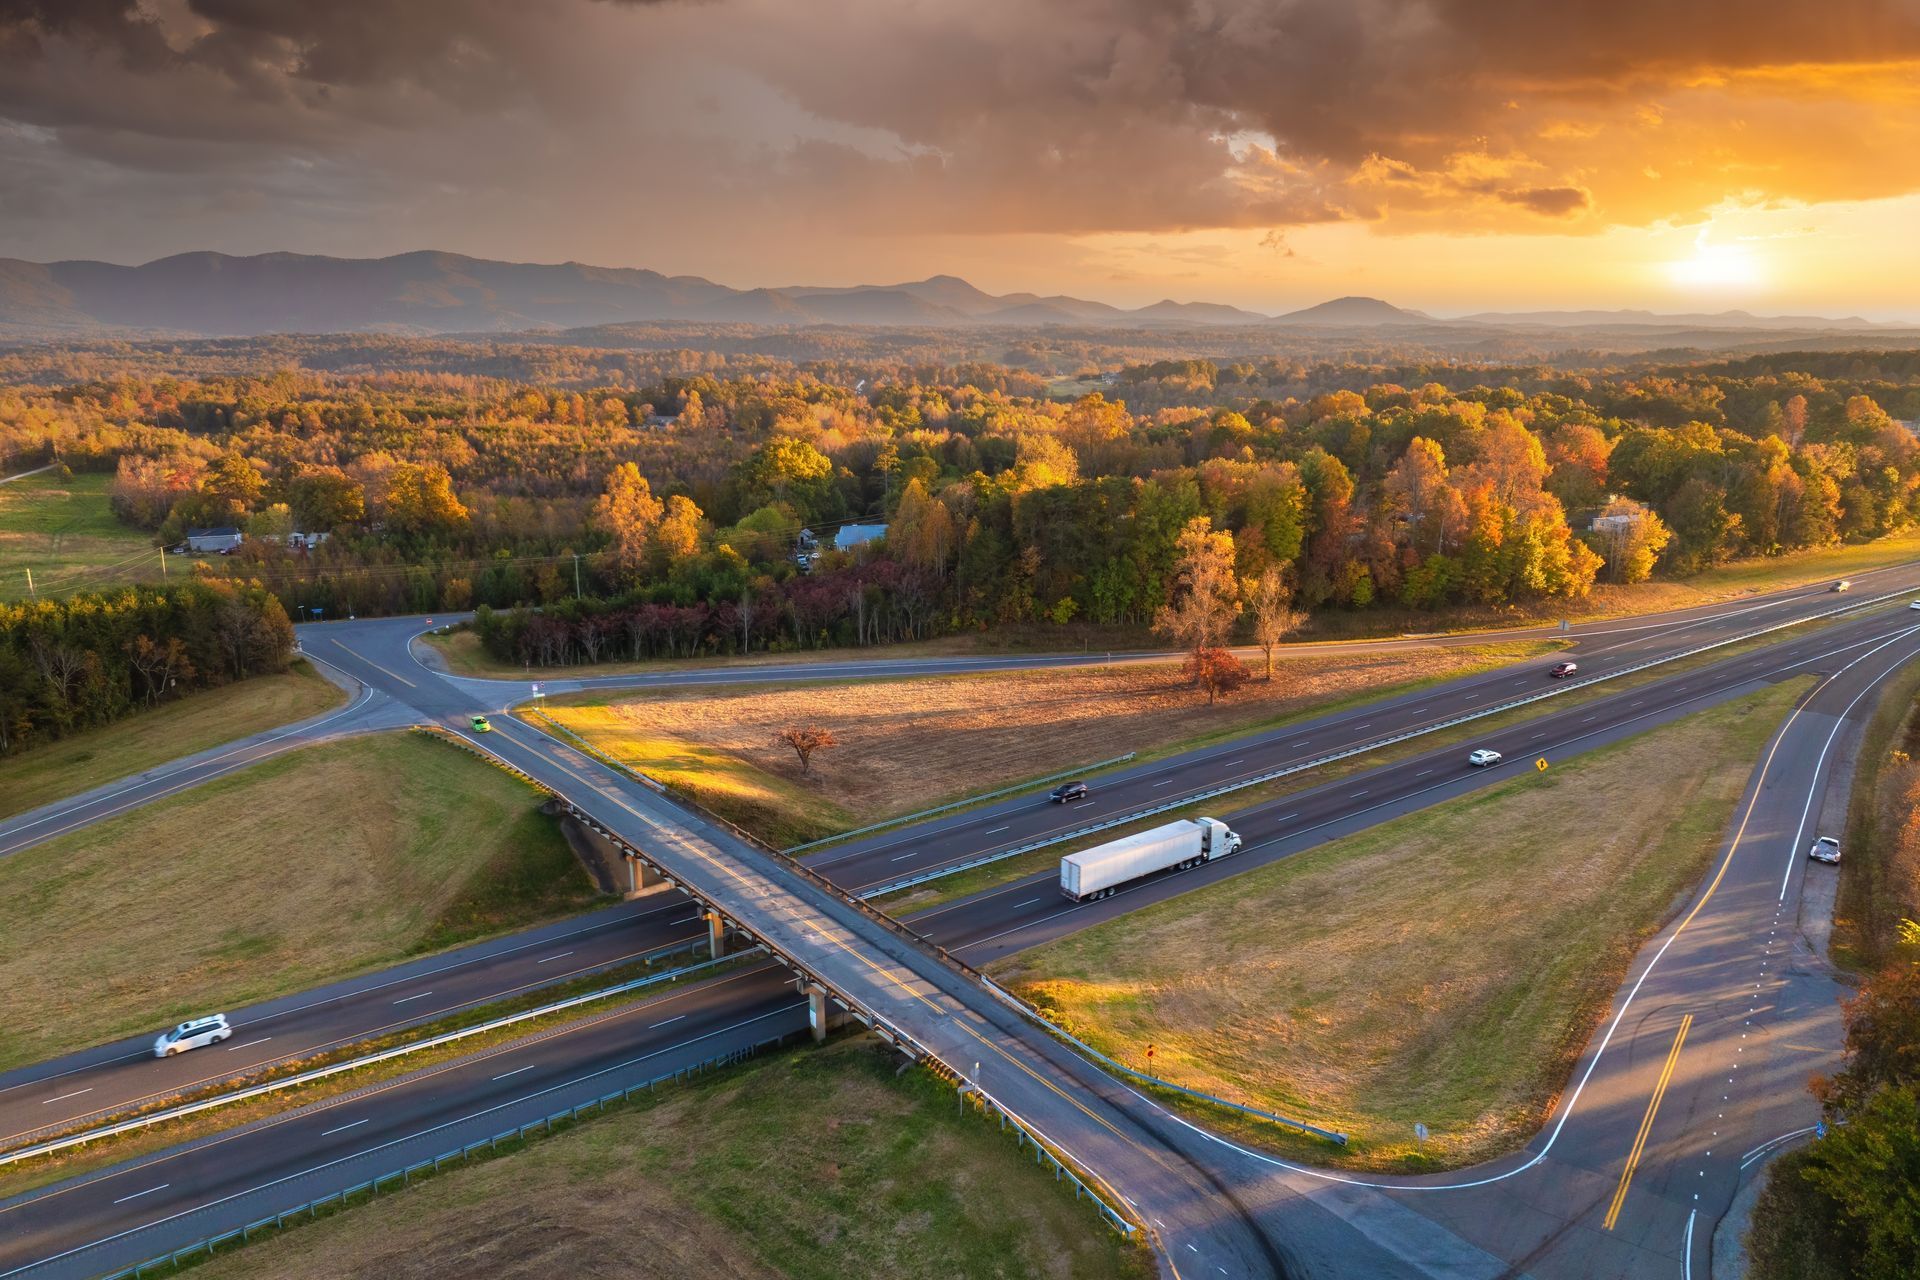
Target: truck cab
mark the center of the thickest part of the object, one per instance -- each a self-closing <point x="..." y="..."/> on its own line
<point x="1219" y="839"/>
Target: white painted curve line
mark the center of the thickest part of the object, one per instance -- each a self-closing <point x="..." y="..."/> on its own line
<point x="149" y="1191"/>
<point x="422" y="996"/>
<point x="343" y="1128"/>
<point x="1566" y="1111"/>
<point x="1799" y="832"/>
<point x="1686" y="1247"/>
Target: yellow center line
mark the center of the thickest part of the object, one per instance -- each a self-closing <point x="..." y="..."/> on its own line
<point x="370" y="662"/>
<point x="1646" y="1124"/>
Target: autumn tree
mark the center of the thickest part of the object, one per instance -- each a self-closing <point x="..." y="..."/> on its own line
<point x="1629" y="536"/>
<point x="1414" y="490"/>
<point x="1205" y="598"/>
<point x="1215" y="671"/>
<point x="922" y="531"/>
<point x="804" y="740"/>
<point x="1273" y="619"/>
<point x="676" y="538"/>
<point x="627" y="512"/>
<point x="324" y="499"/>
<point x="420" y="500"/>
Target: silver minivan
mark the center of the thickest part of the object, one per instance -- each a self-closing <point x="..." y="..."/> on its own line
<point x="197" y="1034"/>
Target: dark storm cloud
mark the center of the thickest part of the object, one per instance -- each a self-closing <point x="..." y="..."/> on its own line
<point x="987" y="115"/>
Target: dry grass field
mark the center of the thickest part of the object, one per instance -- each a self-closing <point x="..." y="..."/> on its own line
<point x="906" y="744"/>
<point x="307" y="868"/>
<point x="1444" y="968"/>
<point x="814" y="1165"/>
<point x="64" y="531"/>
<point x="45" y="774"/>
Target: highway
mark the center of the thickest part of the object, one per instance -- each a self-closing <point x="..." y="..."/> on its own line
<point x="113" y="1078"/>
<point x="992" y="923"/>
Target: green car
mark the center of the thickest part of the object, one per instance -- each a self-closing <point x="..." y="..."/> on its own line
<point x="480" y="725"/>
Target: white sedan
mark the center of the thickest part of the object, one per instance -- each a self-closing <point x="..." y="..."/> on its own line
<point x="1483" y="757"/>
<point x="1825" y="849"/>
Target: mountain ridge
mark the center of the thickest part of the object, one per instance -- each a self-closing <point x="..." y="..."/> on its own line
<point x="428" y="291"/>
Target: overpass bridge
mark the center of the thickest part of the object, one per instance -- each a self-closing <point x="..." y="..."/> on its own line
<point x="847" y="955"/>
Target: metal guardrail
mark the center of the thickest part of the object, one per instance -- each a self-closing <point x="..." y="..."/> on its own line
<point x="271" y="1064"/>
<point x="406" y="1174"/>
<point x="962" y="803"/>
<point x="354" y="1064"/>
<point x="1194" y="797"/>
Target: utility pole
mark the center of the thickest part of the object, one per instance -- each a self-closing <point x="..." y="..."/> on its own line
<point x="163" y="562"/>
<point x="30" y="588"/>
<point x="576" y="575"/>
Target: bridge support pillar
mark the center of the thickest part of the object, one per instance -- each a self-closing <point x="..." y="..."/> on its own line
<point x="716" y="935"/>
<point x="817" y="1011"/>
<point x="641" y="876"/>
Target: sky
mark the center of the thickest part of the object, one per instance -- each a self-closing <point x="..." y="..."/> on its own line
<point x="1451" y="155"/>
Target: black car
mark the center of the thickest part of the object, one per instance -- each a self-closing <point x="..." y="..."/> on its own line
<point x="1068" y="791"/>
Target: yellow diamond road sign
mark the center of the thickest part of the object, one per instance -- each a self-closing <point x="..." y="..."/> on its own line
<point x="1541" y="764"/>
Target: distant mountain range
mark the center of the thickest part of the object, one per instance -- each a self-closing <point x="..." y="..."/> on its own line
<point x="213" y="294"/>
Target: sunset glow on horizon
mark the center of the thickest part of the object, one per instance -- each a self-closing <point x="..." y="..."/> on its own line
<point x="1454" y="156"/>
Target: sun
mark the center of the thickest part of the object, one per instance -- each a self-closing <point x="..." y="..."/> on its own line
<point x="1716" y="266"/>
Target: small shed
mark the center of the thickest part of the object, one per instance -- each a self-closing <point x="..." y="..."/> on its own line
<point x="222" y="539"/>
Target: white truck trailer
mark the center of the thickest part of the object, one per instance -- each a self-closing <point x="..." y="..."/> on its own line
<point x="1099" y="871"/>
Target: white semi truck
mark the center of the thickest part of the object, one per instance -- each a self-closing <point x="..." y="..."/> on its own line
<point x="1099" y="871"/>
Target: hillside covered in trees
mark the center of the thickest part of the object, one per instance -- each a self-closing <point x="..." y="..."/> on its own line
<point x="662" y="516"/>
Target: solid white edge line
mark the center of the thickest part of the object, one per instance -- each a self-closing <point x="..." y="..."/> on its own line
<point x="391" y="1142"/>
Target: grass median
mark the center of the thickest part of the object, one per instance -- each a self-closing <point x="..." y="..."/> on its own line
<point x="815" y="1165"/>
<point x="909" y="743"/>
<point x="147" y="739"/>
<point x="1445" y="968"/>
<point x="308" y="868"/>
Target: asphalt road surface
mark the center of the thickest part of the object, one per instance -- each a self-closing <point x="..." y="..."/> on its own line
<point x="1314" y="1223"/>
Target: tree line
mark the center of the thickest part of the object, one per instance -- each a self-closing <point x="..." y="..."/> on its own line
<point x="69" y="665"/>
<point x="447" y="491"/>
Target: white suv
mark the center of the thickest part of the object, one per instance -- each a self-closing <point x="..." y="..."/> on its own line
<point x="197" y="1034"/>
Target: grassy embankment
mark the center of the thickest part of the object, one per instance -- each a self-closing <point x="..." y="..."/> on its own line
<point x="1880" y="867"/>
<point x="813" y="1164"/>
<point x="66" y="533"/>
<point x="909" y="743"/>
<point x="1444" y="968"/>
<point x="144" y="740"/>
<point x="307" y="868"/>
